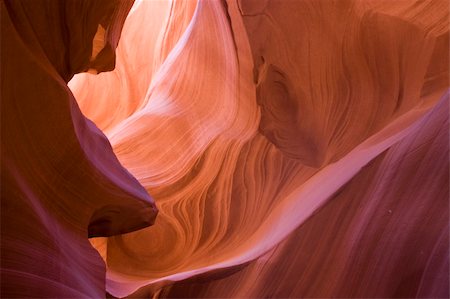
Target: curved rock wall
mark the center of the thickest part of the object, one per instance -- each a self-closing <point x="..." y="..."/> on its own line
<point x="293" y="148"/>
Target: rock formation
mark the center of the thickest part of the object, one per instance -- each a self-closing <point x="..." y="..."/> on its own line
<point x="61" y="181"/>
<point x="294" y="148"/>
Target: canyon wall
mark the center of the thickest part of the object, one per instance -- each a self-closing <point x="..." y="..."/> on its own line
<point x="291" y="148"/>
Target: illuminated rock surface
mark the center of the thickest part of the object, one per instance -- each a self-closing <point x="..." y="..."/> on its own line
<point x="293" y="148"/>
<point x="60" y="178"/>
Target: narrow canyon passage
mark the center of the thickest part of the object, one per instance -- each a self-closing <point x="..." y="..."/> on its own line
<point x="225" y="149"/>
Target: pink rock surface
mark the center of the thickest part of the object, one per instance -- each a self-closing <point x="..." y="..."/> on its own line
<point x="61" y="181"/>
<point x="370" y="240"/>
<point x="294" y="148"/>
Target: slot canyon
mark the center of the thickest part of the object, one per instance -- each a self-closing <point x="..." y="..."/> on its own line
<point x="225" y="149"/>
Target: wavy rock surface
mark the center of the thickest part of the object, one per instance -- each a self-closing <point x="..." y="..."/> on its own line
<point x="61" y="181"/>
<point x="370" y="240"/>
<point x="234" y="179"/>
<point x="293" y="148"/>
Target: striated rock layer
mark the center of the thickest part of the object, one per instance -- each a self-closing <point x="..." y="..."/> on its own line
<point x="260" y="114"/>
<point x="370" y="240"/>
<point x="61" y="181"/>
<point x="294" y="148"/>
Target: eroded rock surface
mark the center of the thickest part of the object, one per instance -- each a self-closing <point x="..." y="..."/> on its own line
<point x="61" y="181"/>
<point x="294" y="148"/>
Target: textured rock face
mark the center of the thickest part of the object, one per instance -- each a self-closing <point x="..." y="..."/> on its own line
<point x="370" y="240"/>
<point x="294" y="148"/>
<point x="347" y="63"/>
<point x="61" y="181"/>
